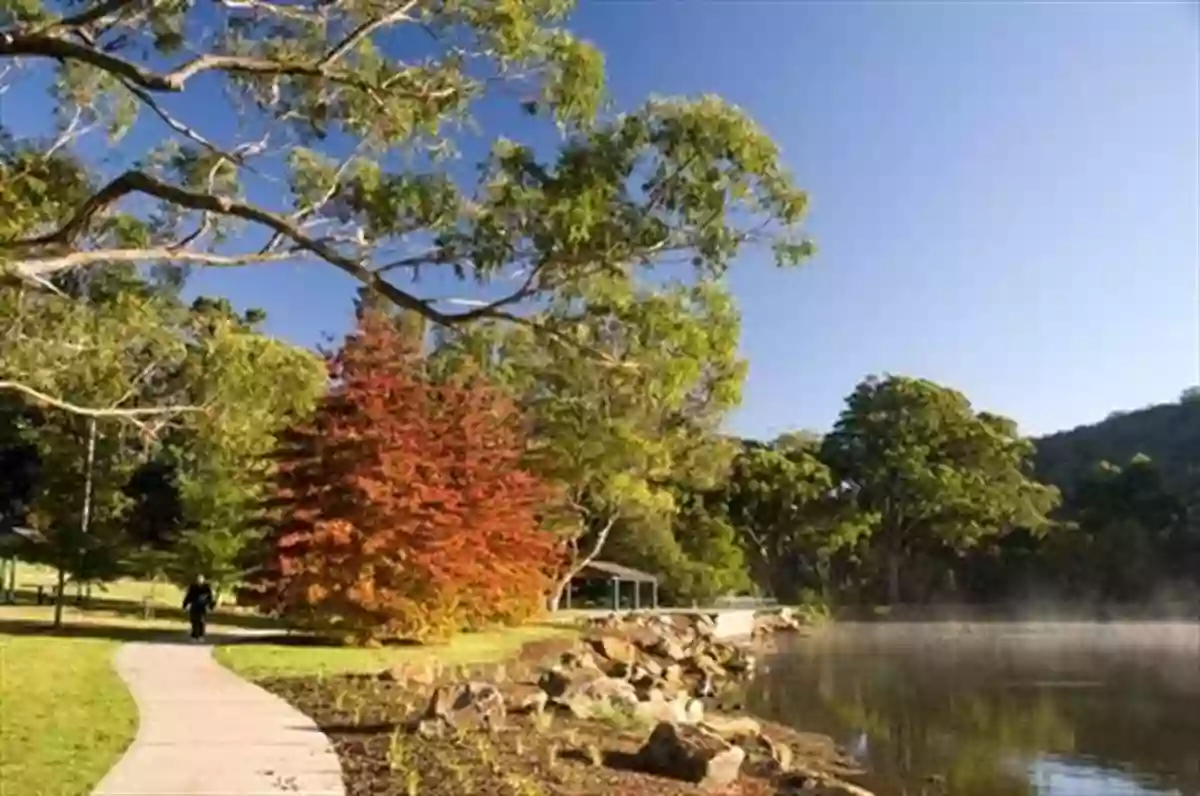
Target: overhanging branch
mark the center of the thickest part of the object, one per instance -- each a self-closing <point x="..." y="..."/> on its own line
<point x="139" y="182"/>
<point x="35" y="267"/>
<point x="84" y="411"/>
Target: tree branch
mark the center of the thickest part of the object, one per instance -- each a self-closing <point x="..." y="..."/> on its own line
<point x="44" y="45"/>
<point x="36" y="267"/>
<point x="140" y="182"/>
<point x="128" y="414"/>
<point x="363" y="31"/>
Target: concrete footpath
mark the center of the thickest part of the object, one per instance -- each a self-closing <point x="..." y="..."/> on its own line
<point x="204" y="731"/>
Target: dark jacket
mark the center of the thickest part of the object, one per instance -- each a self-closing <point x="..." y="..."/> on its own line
<point x="199" y="599"/>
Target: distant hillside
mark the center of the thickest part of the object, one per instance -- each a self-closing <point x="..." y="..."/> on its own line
<point x="1168" y="433"/>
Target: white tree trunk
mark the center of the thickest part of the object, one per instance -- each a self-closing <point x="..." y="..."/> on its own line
<point x="564" y="583"/>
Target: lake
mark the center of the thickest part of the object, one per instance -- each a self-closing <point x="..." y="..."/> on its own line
<point x="1038" y="709"/>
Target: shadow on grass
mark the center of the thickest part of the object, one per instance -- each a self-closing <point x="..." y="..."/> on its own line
<point x="382" y="728"/>
<point x="96" y="628"/>
<point x="128" y="609"/>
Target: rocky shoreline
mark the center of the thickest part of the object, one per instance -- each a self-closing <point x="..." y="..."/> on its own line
<point x="635" y="705"/>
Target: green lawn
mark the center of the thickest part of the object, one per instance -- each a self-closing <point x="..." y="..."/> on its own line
<point x="65" y="716"/>
<point x="257" y="660"/>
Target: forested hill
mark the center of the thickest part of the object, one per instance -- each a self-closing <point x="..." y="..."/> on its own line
<point x="1168" y="433"/>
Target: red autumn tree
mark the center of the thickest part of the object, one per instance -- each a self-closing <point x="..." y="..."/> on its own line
<point x="402" y="508"/>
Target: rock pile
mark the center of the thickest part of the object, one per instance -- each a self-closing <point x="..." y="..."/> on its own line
<point x="784" y="620"/>
<point x="655" y="671"/>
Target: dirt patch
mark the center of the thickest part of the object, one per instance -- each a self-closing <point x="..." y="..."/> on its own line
<point x="368" y="719"/>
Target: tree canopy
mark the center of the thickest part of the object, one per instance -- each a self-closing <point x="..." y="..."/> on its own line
<point x="351" y="118"/>
<point x="934" y="472"/>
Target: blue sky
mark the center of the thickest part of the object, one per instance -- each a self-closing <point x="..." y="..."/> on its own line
<point x="1005" y="197"/>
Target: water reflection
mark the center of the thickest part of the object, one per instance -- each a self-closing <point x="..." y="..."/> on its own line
<point x="1046" y="710"/>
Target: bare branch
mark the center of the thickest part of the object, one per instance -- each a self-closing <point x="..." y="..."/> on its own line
<point x="49" y="46"/>
<point x="83" y="411"/>
<point x="363" y="31"/>
<point x="179" y="127"/>
<point x="90" y="15"/>
<point x="37" y="267"/>
<point x="140" y="182"/>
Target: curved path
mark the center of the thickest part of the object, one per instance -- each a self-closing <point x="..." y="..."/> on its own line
<point x="205" y="732"/>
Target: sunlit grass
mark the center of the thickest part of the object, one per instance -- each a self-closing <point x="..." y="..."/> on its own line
<point x="258" y="660"/>
<point x="65" y="716"/>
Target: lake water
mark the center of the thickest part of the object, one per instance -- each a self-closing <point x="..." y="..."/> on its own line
<point x="999" y="709"/>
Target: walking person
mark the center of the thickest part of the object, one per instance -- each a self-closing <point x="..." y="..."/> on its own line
<point x="198" y="602"/>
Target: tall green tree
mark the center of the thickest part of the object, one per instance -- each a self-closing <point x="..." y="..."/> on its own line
<point x="252" y="387"/>
<point x="623" y="403"/>
<point x="790" y="514"/>
<point x="1129" y="522"/>
<point x="933" y="472"/>
<point x="90" y="358"/>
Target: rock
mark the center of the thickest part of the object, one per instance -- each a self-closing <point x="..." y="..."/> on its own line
<point x="678" y="710"/>
<point x="733" y="728"/>
<point x="673" y="674"/>
<point x="587" y="698"/>
<point x="653" y="667"/>
<point x="669" y="648"/>
<point x="781" y="754"/>
<point x="703" y="663"/>
<point x="558" y="681"/>
<point x="615" y="649"/>
<point x="740" y="662"/>
<point x="467" y="705"/>
<point x="809" y="783"/>
<point x="524" y="698"/>
<point x="691" y="754"/>
<point x="580" y="659"/>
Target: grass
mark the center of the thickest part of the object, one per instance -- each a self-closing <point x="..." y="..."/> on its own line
<point x="30" y="576"/>
<point x="255" y="660"/>
<point x="65" y="716"/>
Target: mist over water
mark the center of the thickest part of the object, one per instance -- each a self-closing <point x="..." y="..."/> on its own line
<point x="1000" y="709"/>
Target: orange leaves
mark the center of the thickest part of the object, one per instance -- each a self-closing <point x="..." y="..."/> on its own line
<point x="401" y="507"/>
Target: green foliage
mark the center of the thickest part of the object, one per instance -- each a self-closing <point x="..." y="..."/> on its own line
<point x="934" y="472"/>
<point x="253" y="387"/>
<point x="623" y="402"/>
<point x="113" y="341"/>
<point x="370" y="132"/>
<point x="786" y="507"/>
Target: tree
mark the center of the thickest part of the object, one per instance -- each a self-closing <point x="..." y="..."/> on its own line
<point x="348" y="115"/>
<point x="104" y="349"/>
<point x="1129" y="521"/>
<point x="402" y="508"/>
<point x="935" y="473"/>
<point x="254" y="387"/>
<point x="617" y="441"/>
<point x="787" y="508"/>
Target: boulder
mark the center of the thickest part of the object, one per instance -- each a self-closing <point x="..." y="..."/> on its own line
<point x="615" y="649"/>
<point x="653" y="667"/>
<point x="602" y="694"/>
<point x="781" y="754"/>
<point x="580" y="659"/>
<point x="466" y="706"/>
<point x="524" y="698"/>
<point x="681" y="709"/>
<point x="703" y="663"/>
<point x="733" y="728"/>
<point x="705" y="627"/>
<point x="691" y="754"/>
<point x="559" y="681"/>
<point x="667" y="647"/>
